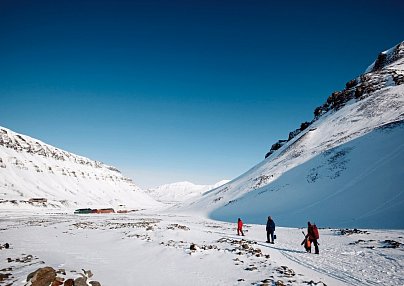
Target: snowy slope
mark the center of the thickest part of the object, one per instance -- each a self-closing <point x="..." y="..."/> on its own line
<point x="343" y="169"/>
<point x="181" y="191"/>
<point x="30" y="168"/>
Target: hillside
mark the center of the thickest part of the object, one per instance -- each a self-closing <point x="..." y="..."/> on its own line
<point x="342" y="169"/>
<point x="30" y="168"/>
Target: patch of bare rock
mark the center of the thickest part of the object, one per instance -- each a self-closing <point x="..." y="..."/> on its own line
<point x="46" y="276"/>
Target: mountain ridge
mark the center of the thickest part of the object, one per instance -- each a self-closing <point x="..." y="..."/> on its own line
<point x="376" y="77"/>
<point x="31" y="168"/>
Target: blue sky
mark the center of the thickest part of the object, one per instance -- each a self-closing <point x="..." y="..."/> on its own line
<point x="180" y="90"/>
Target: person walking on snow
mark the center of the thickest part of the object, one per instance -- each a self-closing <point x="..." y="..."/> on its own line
<point x="240" y="227"/>
<point x="312" y="234"/>
<point x="270" y="230"/>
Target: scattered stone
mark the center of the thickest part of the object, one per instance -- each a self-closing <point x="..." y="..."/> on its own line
<point x="57" y="283"/>
<point x="81" y="281"/>
<point x="87" y="273"/>
<point x="25" y="259"/>
<point x="240" y="280"/>
<point x="388" y="243"/>
<point x="193" y="247"/>
<point x="61" y="271"/>
<point x="209" y="247"/>
<point x="46" y="276"/>
<point x="361" y="241"/>
<point x="287" y="272"/>
<point x="279" y="283"/>
<point x="176" y="225"/>
<point x="4" y="276"/>
<point x="352" y="231"/>
<point x="69" y="282"/>
<point x="311" y="283"/>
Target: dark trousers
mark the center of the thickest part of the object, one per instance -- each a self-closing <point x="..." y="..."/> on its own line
<point x="240" y="230"/>
<point x="314" y="241"/>
<point x="270" y="233"/>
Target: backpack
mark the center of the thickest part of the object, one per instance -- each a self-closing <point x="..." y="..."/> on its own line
<point x="307" y="244"/>
<point x="315" y="232"/>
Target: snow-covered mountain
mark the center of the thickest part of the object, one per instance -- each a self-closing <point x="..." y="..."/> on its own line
<point x="181" y="191"/>
<point x="344" y="168"/>
<point x="32" y="169"/>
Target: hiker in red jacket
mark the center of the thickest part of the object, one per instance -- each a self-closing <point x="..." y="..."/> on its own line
<point x="312" y="234"/>
<point x="240" y="227"/>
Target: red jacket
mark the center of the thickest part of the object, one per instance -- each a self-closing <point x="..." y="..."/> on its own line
<point x="240" y="224"/>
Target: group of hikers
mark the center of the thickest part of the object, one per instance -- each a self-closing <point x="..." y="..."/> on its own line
<point x="310" y="238"/>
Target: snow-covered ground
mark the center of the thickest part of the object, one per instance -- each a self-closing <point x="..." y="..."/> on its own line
<point x="153" y="248"/>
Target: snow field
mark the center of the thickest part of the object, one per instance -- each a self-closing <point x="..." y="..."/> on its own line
<point x="153" y="248"/>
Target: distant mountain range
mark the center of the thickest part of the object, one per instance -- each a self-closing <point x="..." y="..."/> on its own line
<point x="181" y="191"/>
<point x="344" y="168"/>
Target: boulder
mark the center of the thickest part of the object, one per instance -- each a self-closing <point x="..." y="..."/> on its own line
<point x="81" y="281"/>
<point x="69" y="282"/>
<point x="57" y="283"/>
<point x="87" y="273"/>
<point x="95" y="283"/>
<point x="42" y="277"/>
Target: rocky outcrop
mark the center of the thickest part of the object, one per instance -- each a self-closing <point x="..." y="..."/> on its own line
<point x="379" y="75"/>
<point x="275" y="147"/>
<point x="376" y="77"/>
<point x="21" y="143"/>
<point x="387" y="57"/>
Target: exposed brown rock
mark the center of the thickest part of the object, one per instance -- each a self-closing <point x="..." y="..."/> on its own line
<point x="81" y="281"/>
<point x="69" y="282"/>
<point x="42" y="277"/>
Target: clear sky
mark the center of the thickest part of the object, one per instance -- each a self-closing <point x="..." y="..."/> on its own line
<point x="180" y="90"/>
